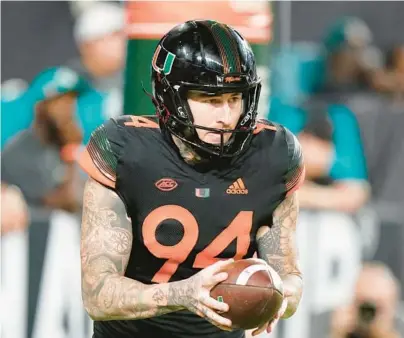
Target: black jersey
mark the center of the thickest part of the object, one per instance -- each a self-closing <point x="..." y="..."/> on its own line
<point x="185" y="217"/>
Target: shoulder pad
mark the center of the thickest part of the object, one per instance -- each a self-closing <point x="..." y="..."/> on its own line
<point x="100" y="157"/>
<point x="295" y="172"/>
<point x="263" y="124"/>
<point x="138" y="121"/>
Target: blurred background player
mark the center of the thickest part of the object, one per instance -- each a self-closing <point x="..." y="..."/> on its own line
<point x="327" y="129"/>
<point x="40" y="160"/>
<point x="101" y="42"/>
<point x="372" y="314"/>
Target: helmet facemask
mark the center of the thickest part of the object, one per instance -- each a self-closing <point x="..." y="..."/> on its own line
<point x="176" y="116"/>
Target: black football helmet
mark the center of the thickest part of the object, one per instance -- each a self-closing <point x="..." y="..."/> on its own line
<point x="211" y="57"/>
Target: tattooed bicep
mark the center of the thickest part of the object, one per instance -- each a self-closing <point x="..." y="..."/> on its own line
<point x="287" y="212"/>
<point x="106" y="235"/>
<point x="277" y="244"/>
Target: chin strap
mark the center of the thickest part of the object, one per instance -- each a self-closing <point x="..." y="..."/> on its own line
<point x="159" y="107"/>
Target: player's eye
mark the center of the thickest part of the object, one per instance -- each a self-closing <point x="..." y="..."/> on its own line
<point x="214" y="101"/>
<point x="235" y="99"/>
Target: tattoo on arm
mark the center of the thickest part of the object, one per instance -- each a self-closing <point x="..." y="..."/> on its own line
<point x="106" y="243"/>
<point x="276" y="245"/>
<point x="106" y="239"/>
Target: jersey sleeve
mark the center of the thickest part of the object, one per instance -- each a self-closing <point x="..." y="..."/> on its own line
<point x="295" y="171"/>
<point x="100" y="157"/>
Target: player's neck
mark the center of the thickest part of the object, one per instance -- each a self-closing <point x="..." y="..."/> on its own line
<point x="186" y="152"/>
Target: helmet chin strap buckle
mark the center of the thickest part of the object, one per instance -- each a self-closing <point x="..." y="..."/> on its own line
<point x="165" y="82"/>
<point x="160" y="108"/>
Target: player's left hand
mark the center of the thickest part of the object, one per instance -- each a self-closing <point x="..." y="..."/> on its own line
<point x="269" y="326"/>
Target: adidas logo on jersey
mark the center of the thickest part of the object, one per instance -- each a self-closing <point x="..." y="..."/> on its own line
<point x="237" y="188"/>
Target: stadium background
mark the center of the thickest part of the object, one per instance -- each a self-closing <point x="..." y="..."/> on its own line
<point x="40" y="293"/>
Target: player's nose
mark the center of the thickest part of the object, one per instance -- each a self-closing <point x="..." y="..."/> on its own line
<point x="224" y="115"/>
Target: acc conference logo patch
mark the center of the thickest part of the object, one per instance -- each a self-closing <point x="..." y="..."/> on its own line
<point x="166" y="184"/>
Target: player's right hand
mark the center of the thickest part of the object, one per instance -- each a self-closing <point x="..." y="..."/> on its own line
<point x="197" y="295"/>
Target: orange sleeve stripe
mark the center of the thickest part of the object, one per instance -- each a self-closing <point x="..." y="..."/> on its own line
<point x="86" y="163"/>
<point x="140" y="121"/>
<point x="261" y="126"/>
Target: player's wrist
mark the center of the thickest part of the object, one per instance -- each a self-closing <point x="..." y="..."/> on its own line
<point x="177" y="295"/>
<point x="293" y="288"/>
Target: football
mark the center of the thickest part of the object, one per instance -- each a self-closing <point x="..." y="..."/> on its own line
<point x="254" y="292"/>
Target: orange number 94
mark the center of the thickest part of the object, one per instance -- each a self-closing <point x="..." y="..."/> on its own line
<point x="238" y="229"/>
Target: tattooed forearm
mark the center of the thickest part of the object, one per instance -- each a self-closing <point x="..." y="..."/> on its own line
<point x="277" y="246"/>
<point x="106" y="243"/>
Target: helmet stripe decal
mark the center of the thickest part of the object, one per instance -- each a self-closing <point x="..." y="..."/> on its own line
<point x="226" y="46"/>
<point x="218" y="44"/>
<point x="234" y="48"/>
<point x="231" y="53"/>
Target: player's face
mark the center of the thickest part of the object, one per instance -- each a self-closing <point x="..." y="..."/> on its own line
<point x="222" y="112"/>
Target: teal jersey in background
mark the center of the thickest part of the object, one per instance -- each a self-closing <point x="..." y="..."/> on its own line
<point x="349" y="160"/>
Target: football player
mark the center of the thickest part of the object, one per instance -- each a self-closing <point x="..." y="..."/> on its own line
<point x="173" y="199"/>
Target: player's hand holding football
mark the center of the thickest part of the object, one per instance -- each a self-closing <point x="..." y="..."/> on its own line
<point x="269" y="326"/>
<point x="197" y="297"/>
